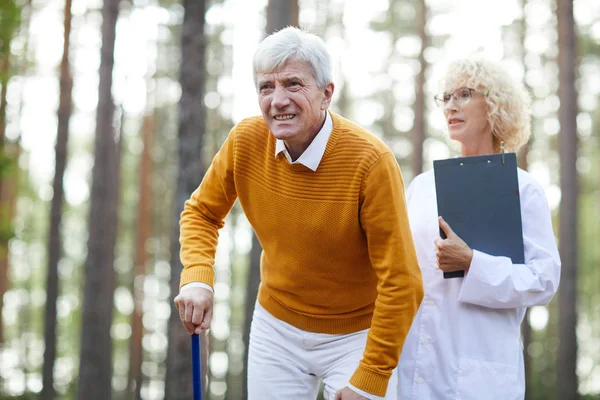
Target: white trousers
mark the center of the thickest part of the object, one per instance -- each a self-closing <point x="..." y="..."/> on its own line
<point x="285" y="362"/>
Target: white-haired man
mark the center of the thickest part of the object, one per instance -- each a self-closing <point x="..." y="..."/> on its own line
<point x="340" y="284"/>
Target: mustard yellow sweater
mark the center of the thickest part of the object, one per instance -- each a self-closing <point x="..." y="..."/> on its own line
<point x="338" y="255"/>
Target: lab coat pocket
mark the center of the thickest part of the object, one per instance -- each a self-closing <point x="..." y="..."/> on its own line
<point x="482" y="380"/>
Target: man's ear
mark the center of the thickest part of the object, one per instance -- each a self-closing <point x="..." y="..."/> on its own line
<point x="328" y="92"/>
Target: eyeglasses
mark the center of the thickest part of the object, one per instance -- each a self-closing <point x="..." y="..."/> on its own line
<point x="462" y="97"/>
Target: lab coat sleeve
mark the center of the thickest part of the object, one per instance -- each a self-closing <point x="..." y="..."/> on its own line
<point x="496" y="282"/>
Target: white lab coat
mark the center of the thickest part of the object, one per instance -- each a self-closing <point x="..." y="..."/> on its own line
<point x="464" y="343"/>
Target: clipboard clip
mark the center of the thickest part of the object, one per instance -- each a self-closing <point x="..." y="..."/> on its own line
<point x="502" y="149"/>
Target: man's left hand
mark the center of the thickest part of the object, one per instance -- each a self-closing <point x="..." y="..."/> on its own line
<point x="348" y="394"/>
<point x="452" y="253"/>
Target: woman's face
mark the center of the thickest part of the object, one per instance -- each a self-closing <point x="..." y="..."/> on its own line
<point x="465" y="110"/>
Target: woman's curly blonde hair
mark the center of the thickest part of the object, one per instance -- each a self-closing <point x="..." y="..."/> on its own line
<point x="509" y="104"/>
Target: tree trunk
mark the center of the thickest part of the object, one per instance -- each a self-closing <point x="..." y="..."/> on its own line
<point x="522" y="162"/>
<point x="54" y="240"/>
<point x="567" y="55"/>
<point x="5" y="225"/>
<point x="524" y="154"/>
<point x="95" y="358"/>
<point x="144" y="217"/>
<point x="343" y="87"/>
<point x="251" y="293"/>
<point x="526" y="334"/>
<point x="8" y="199"/>
<point x="10" y="15"/>
<point x="4" y="75"/>
<point x="280" y="14"/>
<point x="192" y="121"/>
<point x="419" y="127"/>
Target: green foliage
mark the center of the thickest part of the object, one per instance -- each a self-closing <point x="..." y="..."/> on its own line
<point x="5" y="162"/>
<point x="587" y="45"/>
<point x="69" y="394"/>
<point x="6" y="231"/>
<point x="10" y="19"/>
<point x="7" y="168"/>
<point x="24" y="396"/>
<point x="7" y="165"/>
<point x="399" y="20"/>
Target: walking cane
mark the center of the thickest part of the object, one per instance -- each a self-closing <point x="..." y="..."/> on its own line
<point x="196" y="372"/>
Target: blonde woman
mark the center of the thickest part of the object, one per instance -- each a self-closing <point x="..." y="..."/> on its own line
<point x="465" y="340"/>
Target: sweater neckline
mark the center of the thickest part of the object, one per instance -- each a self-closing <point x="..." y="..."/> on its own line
<point x="338" y="127"/>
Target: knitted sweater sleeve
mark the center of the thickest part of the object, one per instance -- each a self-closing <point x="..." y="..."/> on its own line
<point x="203" y="215"/>
<point x="384" y="218"/>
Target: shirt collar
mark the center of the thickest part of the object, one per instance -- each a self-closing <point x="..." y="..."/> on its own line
<point x="311" y="158"/>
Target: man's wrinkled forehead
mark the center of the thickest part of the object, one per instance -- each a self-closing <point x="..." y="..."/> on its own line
<point x="289" y="70"/>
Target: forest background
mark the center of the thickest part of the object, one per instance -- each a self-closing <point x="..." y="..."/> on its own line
<point x="111" y="111"/>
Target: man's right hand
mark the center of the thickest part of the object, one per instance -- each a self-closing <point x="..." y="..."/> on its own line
<point x="195" y="306"/>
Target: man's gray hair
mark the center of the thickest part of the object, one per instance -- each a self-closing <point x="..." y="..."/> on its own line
<point x="293" y="44"/>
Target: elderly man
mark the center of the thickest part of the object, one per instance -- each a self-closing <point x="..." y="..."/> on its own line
<point x="340" y="283"/>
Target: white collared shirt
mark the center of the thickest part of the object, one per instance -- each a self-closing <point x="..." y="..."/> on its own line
<point x="311" y="157"/>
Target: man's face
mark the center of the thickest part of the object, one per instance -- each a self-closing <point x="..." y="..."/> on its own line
<point x="291" y="102"/>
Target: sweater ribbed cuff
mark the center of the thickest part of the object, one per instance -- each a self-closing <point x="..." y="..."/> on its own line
<point x="370" y="381"/>
<point x="197" y="274"/>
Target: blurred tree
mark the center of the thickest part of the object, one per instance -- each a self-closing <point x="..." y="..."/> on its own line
<point x="393" y="26"/>
<point x="419" y="131"/>
<point x="54" y="238"/>
<point x="567" y="384"/>
<point x="401" y="94"/>
<point x="280" y="13"/>
<point x="232" y="274"/>
<point x="251" y="294"/>
<point x="522" y="36"/>
<point x="588" y="273"/>
<point x="143" y="233"/>
<point x="522" y="162"/>
<point x="342" y="96"/>
<point x="95" y="360"/>
<point x="530" y="42"/>
<point x="10" y="19"/>
<point x="192" y="124"/>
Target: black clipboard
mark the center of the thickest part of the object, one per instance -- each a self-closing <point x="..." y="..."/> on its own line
<point x="479" y="198"/>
